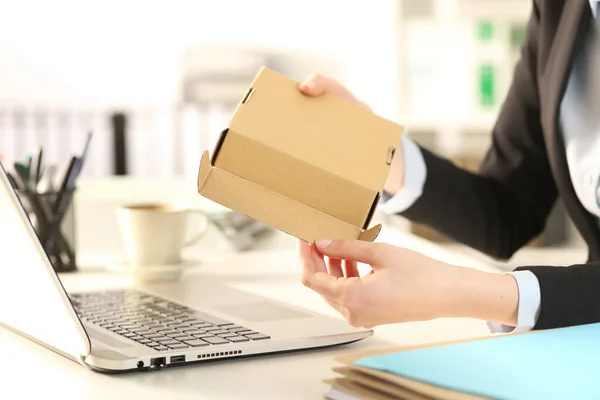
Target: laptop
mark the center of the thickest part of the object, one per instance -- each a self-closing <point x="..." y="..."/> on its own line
<point x="146" y="327"/>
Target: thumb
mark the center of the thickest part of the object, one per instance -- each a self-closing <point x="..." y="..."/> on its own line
<point x="356" y="250"/>
<point x="318" y="84"/>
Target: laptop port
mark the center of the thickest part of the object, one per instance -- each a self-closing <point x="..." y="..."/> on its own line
<point x="158" y="362"/>
<point x="177" y="359"/>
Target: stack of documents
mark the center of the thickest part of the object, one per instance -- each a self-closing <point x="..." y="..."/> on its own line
<point x="552" y="364"/>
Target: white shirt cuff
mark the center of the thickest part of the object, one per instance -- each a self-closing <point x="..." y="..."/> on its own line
<point x="415" y="173"/>
<point x="530" y="302"/>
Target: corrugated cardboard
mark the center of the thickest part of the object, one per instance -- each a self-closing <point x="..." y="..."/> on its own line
<point x="313" y="167"/>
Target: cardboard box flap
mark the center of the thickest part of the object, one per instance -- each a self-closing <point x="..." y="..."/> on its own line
<point x="273" y="208"/>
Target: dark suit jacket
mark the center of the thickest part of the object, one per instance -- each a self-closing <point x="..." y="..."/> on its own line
<point x="504" y="205"/>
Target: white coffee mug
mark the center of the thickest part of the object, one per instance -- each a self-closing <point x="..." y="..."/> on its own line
<point x="155" y="234"/>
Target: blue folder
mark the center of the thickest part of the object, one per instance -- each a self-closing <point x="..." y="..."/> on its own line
<point x="552" y="364"/>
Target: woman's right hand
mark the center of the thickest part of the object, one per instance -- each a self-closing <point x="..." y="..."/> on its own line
<point x="403" y="285"/>
<point x="317" y="84"/>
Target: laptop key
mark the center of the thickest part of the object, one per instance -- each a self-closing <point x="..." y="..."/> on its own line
<point x="192" y="331"/>
<point x="130" y="326"/>
<point x="203" y="335"/>
<point x="171" y="332"/>
<point x="114" y="328"/>
<point x="219" y="332"/>
<point x="184" y="338"/>
<point x="122" y="331"/>
<point x="227" y="335"/>
<point x="178" y="346"/>
<point x="152" y="344"/>
<point x="203" y="325"/>
<point x="154" y="335"/>
<point x="240" y="330"/>
<point x="168" y="341"/>
<point x="157" y="338"/>
<point x="215" y="340"/>
<point x="180" y="326"/>
<point x="161" y="348"/>
<point x="129" y="335"/>
<point x="237" y="339"/>
<point x="139" y="329"/>
<point x="144" y="333"/>
<point x="258" y="336"/>
<point x="233" y="327"/>
<point x="196" y="343"/>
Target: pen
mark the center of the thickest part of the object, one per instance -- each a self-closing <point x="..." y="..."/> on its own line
<point x="61" y="204"/>
<point x="86" y="147"/>
<point x="36" y="166"/>
<point x="13" y="181"/>
<point x="29" y="165"/>
<point x="83" y="156"/>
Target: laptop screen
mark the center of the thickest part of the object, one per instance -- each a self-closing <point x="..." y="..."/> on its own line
<point x="32" y="299"/>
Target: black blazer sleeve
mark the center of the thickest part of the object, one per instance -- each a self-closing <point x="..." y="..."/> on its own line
<point x="569" y="295"/>
<point x="505" y="204"/>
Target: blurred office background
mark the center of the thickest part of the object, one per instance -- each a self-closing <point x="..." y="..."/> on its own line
<point x="156" y="81"/>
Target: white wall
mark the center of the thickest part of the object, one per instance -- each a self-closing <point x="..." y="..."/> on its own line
<point x="127" y="52"/>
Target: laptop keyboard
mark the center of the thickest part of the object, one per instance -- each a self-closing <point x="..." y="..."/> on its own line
<point x="157" y="323"/>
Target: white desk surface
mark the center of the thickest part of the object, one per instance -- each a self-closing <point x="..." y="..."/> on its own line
<point x="28" y="370"/>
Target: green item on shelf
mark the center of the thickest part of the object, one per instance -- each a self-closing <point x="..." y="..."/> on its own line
<point x="487" y="78"/>
<point x="485" y="30"/>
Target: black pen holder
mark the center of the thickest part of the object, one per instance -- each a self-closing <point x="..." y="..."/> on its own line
<point x="55" y="232"/>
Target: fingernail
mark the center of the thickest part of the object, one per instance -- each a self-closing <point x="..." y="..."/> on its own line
<point x="322" y="243"/>
<point x="310" y="84"/>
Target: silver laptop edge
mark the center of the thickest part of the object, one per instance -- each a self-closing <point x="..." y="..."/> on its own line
<point x="28" y="270"/>
<point x="42" y="311"/>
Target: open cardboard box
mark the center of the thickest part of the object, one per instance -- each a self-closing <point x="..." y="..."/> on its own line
<point x="313" y="167"/>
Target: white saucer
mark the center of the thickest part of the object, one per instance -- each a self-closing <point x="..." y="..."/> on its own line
<point x="153" y="273"/>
